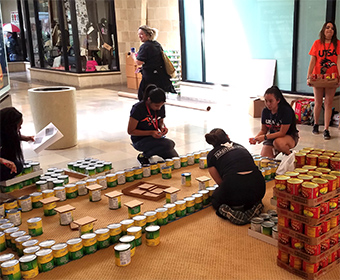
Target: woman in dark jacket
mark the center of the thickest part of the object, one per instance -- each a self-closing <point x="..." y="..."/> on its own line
<point x="150" y="57"/>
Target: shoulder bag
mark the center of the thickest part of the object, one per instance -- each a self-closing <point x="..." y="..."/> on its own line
<point x="169" y="67"/>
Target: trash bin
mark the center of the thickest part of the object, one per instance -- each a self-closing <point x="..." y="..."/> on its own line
<point x="55" y="104"/>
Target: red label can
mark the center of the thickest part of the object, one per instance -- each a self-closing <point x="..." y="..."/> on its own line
<point x="282" y="203"/>
<point x="332" y="180"/>
<point x="284" y="238"/>
<point x="296" y="225"/>
<point x="333" y="257"/>
<point x="310" y="190"/>
<point x="326" y="226"/>
<point x="300" y="159"/>
<point x="313" y="250"/>
<point x="295" y="262"/>
<point x="324" y="208"/>
<point x="323" y="185"/>
<point x="334" y="163"/>
<point x="325" y="245"/>
<point x="283" y="221"/>
<point x="283" y="256"/>
<point x="334" y="239"/>
<point x="334" y="221"/>
<point x="333" y="204"/>
<point x="313" y="231"/>
<point x="310" y="267"/>
<point x="323" y="161"/>
<point x="294" y="186"/>
<point x="296" y="243"/>
<point x="312" y="212"/>
<point x="324" y="262"/>
<point x="295" y="207"/>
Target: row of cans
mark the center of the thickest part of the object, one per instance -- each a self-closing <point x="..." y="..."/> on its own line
<point x="90" y="166"/>
<point x="318" y="157"/>
<point x="302" y="265"/>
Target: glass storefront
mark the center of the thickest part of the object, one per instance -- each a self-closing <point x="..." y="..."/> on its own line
<point x="73" y="35"/>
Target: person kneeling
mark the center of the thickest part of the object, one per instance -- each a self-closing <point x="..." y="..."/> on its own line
<point x="238" y="198"/>
<point x="147" y="129"/>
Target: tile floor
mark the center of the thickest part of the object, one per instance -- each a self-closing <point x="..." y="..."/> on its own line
<point x="102" y="118"/>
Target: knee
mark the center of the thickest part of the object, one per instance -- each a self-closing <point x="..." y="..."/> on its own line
<point x="169" y="144"/>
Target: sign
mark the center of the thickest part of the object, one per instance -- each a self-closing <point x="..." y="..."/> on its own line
<point x="15" y="18"/>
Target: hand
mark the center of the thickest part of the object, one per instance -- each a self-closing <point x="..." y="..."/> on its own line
<point x="308" y="83"/>
<point x="259" y="138"/>
<point x="252" y="141"/>
<point x="156" y="134"/>
<point x="10" y="164"/>
<point x="164" y="130"/>
<point x="27" y="138"/>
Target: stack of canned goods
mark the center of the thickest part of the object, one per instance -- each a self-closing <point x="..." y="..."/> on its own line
<point x="266" y="223"/>
<point x="29" y="167"/>
<point x="267" y="166"/>
<point x="90" y="166"/>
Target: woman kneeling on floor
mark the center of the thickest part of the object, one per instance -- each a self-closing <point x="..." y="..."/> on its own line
<point x="241" y="185"/>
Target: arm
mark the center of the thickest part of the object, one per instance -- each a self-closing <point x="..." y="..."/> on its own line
<point x="11" y="165"/>
<point x="215" y="175"/>
<point x="260" y="135"/>
<point x="283" y="130"/>
<point x="27" y="138"/>
<point x="138" y="62"/>
<point x="132" y="130"/>
<point x="338" y="66"/>
<point x="311" y="67"/>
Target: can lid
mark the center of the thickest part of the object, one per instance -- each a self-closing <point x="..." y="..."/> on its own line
<point x="203" y="191"/>
<point x="6" y="257"/>
<point x="161" y="209"/>
<point x="43" y="252"/>
<point x="196" y="195"/>
<point x="127" y="221"/>
<point x="59" y="246"/>
<point x="257" y="220"/>
<point x="169" y="205"/>
<point x="23" y="238"/>
<point x="139" y="218"/>
<point x="180" y="202"/>
<point x="88" y="235"/>
<point x="30" y="250"/>
<point x="35" y="194"/>
<point x="152" y="228"/>
<point x="10" y="230"/>
<point x="41" y="182"/>
<point x="47" y="243"/>
<point x="58" y="181"/>
<point x="18" y="233"/>
<point x="34" y="220"/>
<point x="23" y="197"/>
<point x="30" y="243"/>
<point x="268" y="224"/>
<point x="126" y="238"/>
<point x="150" y="213"/>
<point x="134" y="229"/>
<point x="11" y="211"/>
<point x="189" y="198"/>
<point x="70" y="185"/>
<point x="73" y="241"/>
<point x="113" y="226"/>
<point x="27" y="258"/>
<point x="186" y="174"/>
<point x="10" y="263"/>
<point x="101" y="231"/>
<point x="122" y="246"/>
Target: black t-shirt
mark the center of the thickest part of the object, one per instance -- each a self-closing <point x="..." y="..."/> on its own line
<point x="273" y="122"/>
<point x="145" y="121"/>
<point x="230" y="160"/>
<point x="150" y="53"/>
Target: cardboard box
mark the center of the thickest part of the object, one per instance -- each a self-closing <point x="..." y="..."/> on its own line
<point x="256" y="106"/>
<point x="131" y="71"/>
<point x="131" y="82"/>
<point x="325" y="83"/>
<point x="129" y="60"/>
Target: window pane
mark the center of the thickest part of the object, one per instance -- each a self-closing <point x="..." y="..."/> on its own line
<point x="311" y="18"/>
<point x="192" y="35"/>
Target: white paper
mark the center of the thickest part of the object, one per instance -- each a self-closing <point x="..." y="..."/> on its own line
<point x="46" y="137"/>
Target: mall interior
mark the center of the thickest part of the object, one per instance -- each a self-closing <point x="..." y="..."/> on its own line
<point x="273" y="40"/>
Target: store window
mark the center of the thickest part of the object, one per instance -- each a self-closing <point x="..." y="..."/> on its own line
<point x="74" y="35"/>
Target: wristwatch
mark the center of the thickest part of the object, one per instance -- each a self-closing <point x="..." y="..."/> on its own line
<point x="265" y="137"/>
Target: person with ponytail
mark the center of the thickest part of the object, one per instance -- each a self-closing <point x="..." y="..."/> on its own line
<point x="147" y="129"/>
<point x="11" y="156"/>
<point x="150" y="57"/>
<point x="241" y="186"/>
<point x="278" y="131"/>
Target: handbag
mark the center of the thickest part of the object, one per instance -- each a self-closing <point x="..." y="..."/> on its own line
<point x="287" y="164"/>
<point x="169" y="67"/>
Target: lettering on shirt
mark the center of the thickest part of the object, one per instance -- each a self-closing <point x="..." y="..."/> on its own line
<point x="225" y="150"/>
<point x="150" y="119"/>
<point x="326" y="53"/>
<point x="273" y="125"/>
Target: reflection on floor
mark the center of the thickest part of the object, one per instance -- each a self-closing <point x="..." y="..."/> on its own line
<point x="103" y="115"/>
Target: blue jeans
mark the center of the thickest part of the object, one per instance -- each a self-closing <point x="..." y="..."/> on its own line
<point x="162" y="147"/>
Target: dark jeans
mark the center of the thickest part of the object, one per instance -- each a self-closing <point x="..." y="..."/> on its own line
<point x="162" y="147"/>
<point x="5" y="172"/>
<point x="237" y="190"/>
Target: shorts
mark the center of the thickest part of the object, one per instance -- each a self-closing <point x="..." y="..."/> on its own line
<point x="269" y="142"/>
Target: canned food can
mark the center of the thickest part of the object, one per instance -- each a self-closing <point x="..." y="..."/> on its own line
<point x="45" y="260"/>
<point x="111" y="180"/>
<point x="34" y="226"/>
<point x="177" y="162"/>
<point x="60" y="254"/>
<point x="162" y="216"/>
<point x="103" y="238"/>
<point x="71" y="191"/>
<point x="198" y="201"/>
<point x="140" y="221"/>
<point x="152" y="234"/>
<point x="154" y="169"/>
<point x="25" y="203"/>
<point x="126" y="224"/>
<point x="29" y="266"/>
<point x="186" y="179"/>
<point x="203" y="163"/>
<point x="136" y="231"/>
<point x="146" y="170"/>
<point x="171" y="211"/>
<point x="49" y="209"/>
<point x="151" y="218"/>
<point x="121" y="179"/>
<point x="14" y="215"/>
<point x="255" y="224"/>
<point x="138" y="173"/>
<point x="36" y="197"/>
<point x="11" y="270"/>
<point x="115" y="232"/>
<point x="75" y="248"/>
<point x="180" y="208"/>
<point x="122" y="254"/>
<point x="166" y="172"/>
<point x="190" y="204"/>
<point x="129" y="239"/>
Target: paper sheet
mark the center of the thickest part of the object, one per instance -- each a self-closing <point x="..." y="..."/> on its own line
<point x="46" y="137"/>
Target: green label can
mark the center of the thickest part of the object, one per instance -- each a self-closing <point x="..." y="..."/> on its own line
<point x="129" y="175"/>
<point x="171" y="211"/>
<point x="111" y="180"/>
<point x="11" y="270"/>
<point x="60" y="254"/>
<point x="166" y="172"/>
<point x="8" y="233"/>
<point x="138" y="173"/>
<point x="107" y="165"/>
<point x="103" y="238"/>
<point x="137" y="233"/>
<point x="129" y="239"/>
<point x="162" y="216"/>
<point x="87" y="228"/>
<point x="190" y="204"/>
<point x="115" y="232"/>
<point x="154" y="169"/>
<point x="184" y="161"/>
<point x="71" y="191"/>
<point x="49" y="209"/>
<point x="151" y="218"/>
<point x="197" y="156"/>
<point x="205" y="196"/>
<point x="36" y="197"/>
<point x="29" y="266"/>
<point x="75" y="248"/>
<point x="180" y="208"/>
<point x="126" y="224"/>
<point x="134" y="211"/>
<point x="198" y="200"/>
<point x="140" y="221"/>
<point x="122" y="254"/>
<point x="89" y="243"/>
<point x="35" y="226"/>
<point x="2" y="242"/>
<point x="14" y="236"/>
<point x="18" y="244"/>
<point x="152" y="235"/>
<point x="45" y="260"/>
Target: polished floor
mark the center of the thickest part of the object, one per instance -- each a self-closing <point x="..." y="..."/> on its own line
<point x="102" y="118"/>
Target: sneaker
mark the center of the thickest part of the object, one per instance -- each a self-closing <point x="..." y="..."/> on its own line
<point x="142" y="159"/>
<point x="315" y="129"/>
<point x="326" y="134"/>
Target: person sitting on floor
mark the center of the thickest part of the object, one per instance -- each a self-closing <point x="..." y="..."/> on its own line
<point x="147" y="129"/>
<point x="11" y="157"/>
<point x="238" y="198"/>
